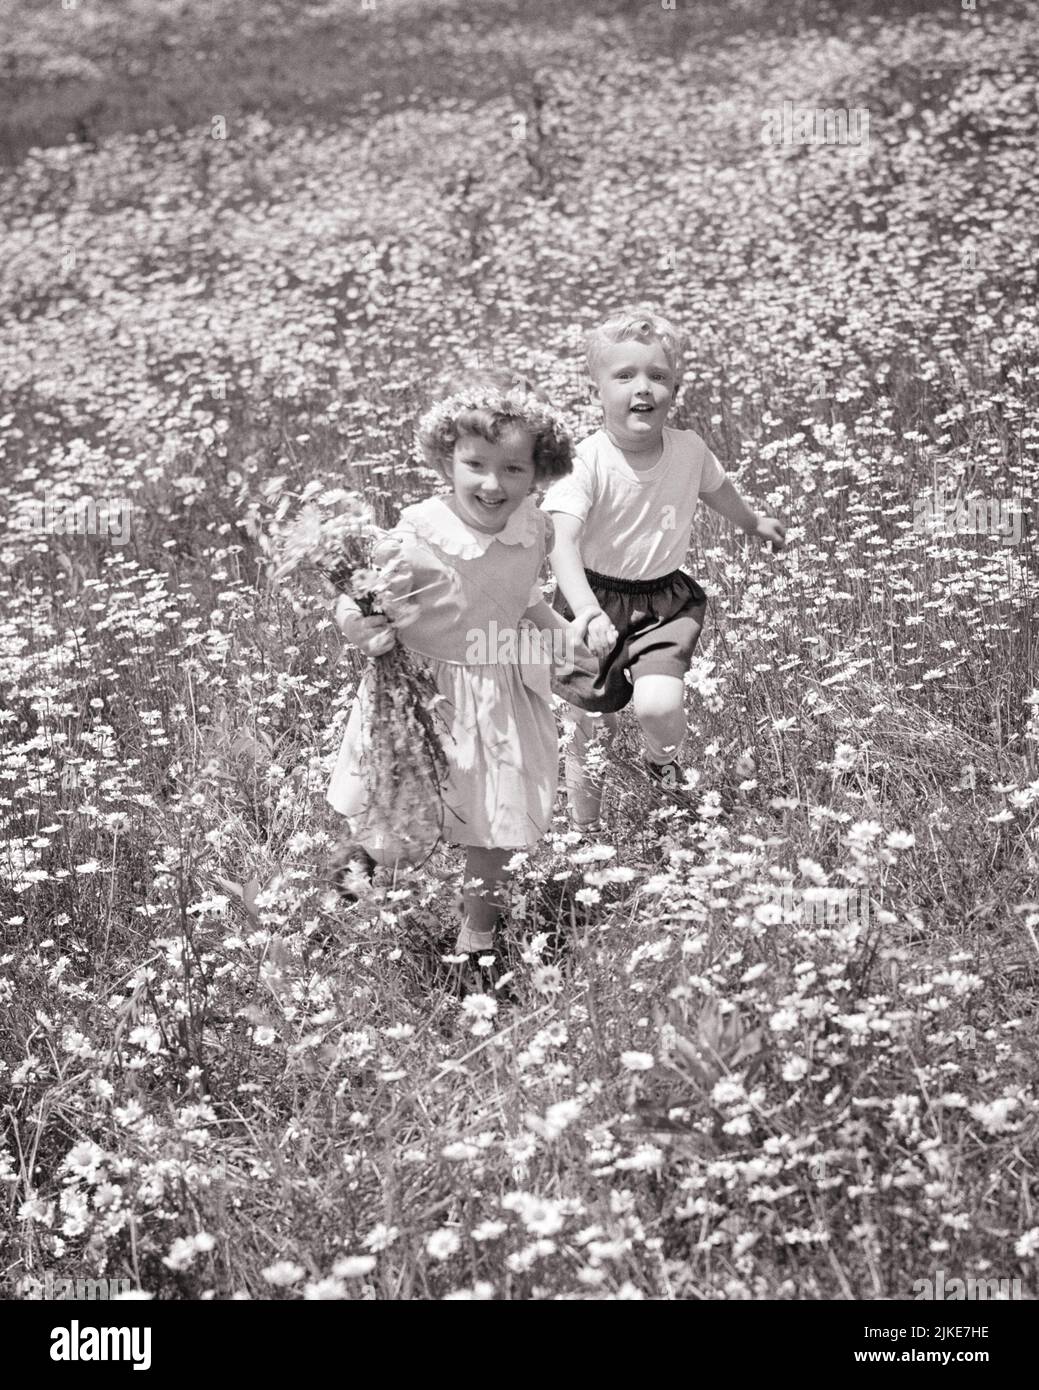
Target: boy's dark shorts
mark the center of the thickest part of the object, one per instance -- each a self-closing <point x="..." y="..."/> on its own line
<point x="658" y="624"/>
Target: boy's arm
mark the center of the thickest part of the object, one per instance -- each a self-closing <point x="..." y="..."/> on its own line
<point x="565" y="559"/>
<point x="727" y="502"/>
<point x="590" y="623"/>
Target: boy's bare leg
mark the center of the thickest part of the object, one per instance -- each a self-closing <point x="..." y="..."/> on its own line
<point x="584" y="777"/>
<point x="660" y="709"/>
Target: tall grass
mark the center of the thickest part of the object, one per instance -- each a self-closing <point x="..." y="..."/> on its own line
<point x="776" y="1039"/>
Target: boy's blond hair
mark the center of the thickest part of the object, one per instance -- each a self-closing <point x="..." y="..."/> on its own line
<point x="637" y="321"/>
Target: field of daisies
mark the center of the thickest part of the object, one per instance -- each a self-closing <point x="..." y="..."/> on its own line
<point x="240" y="242"/>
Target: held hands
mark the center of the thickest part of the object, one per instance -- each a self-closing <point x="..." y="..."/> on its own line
<point x="594" y="628"/>
<point x="769" y="529"/>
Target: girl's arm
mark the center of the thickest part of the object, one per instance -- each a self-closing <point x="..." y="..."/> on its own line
<point x="727" y="502"/>
<point x="540" y="613"/>
<point x="573" y="653"/>
<point x="544" y="616"/>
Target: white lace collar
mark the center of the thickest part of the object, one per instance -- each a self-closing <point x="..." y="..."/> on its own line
<point x="434" y="521"/>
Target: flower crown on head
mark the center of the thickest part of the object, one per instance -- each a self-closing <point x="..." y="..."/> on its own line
<point x="515" y="403"/>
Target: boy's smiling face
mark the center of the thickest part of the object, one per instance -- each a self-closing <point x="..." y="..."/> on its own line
<point x="636" y="386"/>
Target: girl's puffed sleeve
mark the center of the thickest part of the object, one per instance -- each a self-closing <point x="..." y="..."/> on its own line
<point x="546" y="542"/>
<point x="389" y="546"/>
<point x="575" y="492"/>
<point x="392" y="556"/>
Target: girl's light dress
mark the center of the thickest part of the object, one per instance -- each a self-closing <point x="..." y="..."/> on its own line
<point x="489" y="665"/>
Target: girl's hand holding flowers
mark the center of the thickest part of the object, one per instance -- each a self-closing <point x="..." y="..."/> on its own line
<point x="374" y="636"/>
<point x="334" y="535"/>
<point x="391" y="585"/>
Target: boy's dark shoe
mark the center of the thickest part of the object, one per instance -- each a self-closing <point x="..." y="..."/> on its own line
<point x="668" y="775"/>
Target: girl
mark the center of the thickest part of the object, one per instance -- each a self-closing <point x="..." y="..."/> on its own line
<point x="469" y="563"/>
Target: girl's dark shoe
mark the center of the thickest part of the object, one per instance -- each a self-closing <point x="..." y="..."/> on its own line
<point x="474" y="978"/>
<point x="350" y="867"/>
<point x="486" y="978"/>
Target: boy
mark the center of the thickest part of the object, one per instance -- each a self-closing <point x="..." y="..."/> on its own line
<point x="622" y="523"/>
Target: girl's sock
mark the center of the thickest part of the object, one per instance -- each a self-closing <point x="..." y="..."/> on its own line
<point x="483" y="887"/>
<point x="583" y="790"/>
<point x="470" y="940"/>
<point x="585" y="765"/>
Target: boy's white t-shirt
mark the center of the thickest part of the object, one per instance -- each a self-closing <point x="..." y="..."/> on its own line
<point x="637" y="524"/>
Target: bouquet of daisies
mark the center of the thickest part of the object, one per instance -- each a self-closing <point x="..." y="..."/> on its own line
<point x="333" y="534"/>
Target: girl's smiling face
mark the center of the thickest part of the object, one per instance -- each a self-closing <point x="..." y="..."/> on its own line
<point x="491" y="480"/>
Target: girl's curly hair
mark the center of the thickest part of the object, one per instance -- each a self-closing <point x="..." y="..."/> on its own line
<point x="487" y="405"/>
